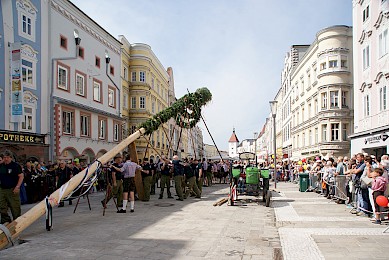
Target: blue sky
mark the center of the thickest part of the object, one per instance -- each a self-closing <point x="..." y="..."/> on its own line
<point x="236" y="48"/>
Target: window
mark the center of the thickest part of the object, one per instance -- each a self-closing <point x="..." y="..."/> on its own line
<point x="343" y="61"/>
<point x="125" y="72"/>
<point x="97" y="62"/>
<point x="102" y="128"/>
<point x="28" y="119"/>
<point x="133" y="102"/>
<point x="133" y="76"/>
<point x="80" y="83"/>
<point x="142" y="76"/>
<point x="324" y="100"/>
<point x="27" y="14"/>
<point x="344" y="99"/>
<point x="153" y="107"/>
<point x="333" y="63"/>
<point x="152" y="83"/>
<point x="142" y="102"/>
<point x="303" y="141"/>
<point x="27" y="72"/>
<point x="133" y="129"/>
<point x="67" y="122"/>
<point x="85" y="125"/>
<point x="366" y="57"/>
<point x="383" y="43"/>
<point x="334" y="96"/>
<point x="63" y="76"/>
<point x="298" y="118"/>
<point x="344" y="132"/>
<point x="116" y="131"/>
<point x="316" y="106"/>
<point x="111" y="70"/>
<point x="163" y="93"/>
<point x="81" y="52"/>
<point x="125" y="100"/>
<point x="111" y="97"/>
<point x="324" y="133"/>
<point x="323" y="66"/>
<point x="383" y="93"/>
<point x="365" y="14"/>
<point x="302" y="115"/>
<point x="298" y="141"/>
<point x="335" y="132"/>
<point x="309" y="80"/>
<point x="309" y="110"/>
<point x="366" y="105"/>
<point x="316" y="135"/>
<point x="97" y="91"/>
<point x="63" y="41"/>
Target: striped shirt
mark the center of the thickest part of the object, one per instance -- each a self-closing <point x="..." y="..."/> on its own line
<point x="129" y="169"/>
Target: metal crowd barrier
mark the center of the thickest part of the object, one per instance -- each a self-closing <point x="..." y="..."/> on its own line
<point x="340" y="184"/>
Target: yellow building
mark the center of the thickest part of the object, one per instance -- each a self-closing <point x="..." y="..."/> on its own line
<point x="147" y="82"/>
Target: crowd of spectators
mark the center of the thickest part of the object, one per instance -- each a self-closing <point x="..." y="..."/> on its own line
<point x="355" y="181"/>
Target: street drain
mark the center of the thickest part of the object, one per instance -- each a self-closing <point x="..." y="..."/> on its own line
<point x="164" y="204"/>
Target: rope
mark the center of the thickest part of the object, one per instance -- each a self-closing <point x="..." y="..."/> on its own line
<point x="148" y="141"/>
<point x="7" y="234"/>
<point x="49" y="214"/>
<point x="84" y="183"/>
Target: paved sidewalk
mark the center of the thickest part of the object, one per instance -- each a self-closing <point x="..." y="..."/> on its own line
<point x="313" y="227"/>
<point x="159" y="229"/>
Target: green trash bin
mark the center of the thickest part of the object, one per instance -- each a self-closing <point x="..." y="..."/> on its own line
<point x="304" y="182"/>
<point x="252" y="175"/>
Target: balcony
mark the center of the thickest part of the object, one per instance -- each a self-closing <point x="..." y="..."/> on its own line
<point x="334" y="70"/>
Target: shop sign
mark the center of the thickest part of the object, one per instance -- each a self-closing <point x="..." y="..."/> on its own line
<point x="310" y="153"/>
<point x="17" y="137"/>
<point x="376" y="138"/>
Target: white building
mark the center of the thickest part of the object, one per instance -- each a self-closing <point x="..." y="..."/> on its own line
<point x="85" y="84"/>
<point x="291" y="60"/>
<point x="322" y="95"/>
<point x="371" y="70"/>
<point x="233" y="143"/>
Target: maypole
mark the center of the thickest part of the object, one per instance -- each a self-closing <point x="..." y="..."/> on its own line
<point x="186" y="110"/>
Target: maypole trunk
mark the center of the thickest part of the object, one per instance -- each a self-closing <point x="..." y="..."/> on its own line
<point x="178" y="110"/>
<point x="24" y="221"/>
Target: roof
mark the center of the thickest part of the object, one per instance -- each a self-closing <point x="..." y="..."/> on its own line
<point x="233" y="138"/>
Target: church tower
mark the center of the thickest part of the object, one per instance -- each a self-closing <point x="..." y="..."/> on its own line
<point x="233" y="145"/>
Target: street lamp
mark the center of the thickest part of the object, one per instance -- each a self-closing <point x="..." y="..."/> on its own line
<point x="273" y="108"/>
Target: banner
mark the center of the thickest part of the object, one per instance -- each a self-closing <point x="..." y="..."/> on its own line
<point x="16" y="84"/>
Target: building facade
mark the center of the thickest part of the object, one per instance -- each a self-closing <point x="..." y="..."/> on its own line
<point x="322" y="95"/>
<point x="85" y="85"/>
<point x="24" y="124"/>
<point x="148" y="94"/>
<point x="291" y="60"/>
<point x="371" y="77"/>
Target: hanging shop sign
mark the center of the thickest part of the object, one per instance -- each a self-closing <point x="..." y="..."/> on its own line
<point x="16" y="84"/>
<point x="18" y="137"/>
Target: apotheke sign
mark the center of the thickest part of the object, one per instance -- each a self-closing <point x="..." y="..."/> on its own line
<point x="376" y="138"/>
<point x="18" y="137"/>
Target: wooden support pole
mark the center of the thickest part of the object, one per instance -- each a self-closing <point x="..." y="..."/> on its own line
<point x="138" y="174"/>
<point x="24" y="221"/>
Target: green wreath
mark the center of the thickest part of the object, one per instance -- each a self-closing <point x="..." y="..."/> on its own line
<point x="186" y="111"/>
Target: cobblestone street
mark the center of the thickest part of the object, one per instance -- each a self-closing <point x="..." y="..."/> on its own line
<point x="306" y="225"/>
<point x="159" y="229"/>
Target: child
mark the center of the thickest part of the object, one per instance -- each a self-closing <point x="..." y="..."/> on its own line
<point x="378" y="186"/>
